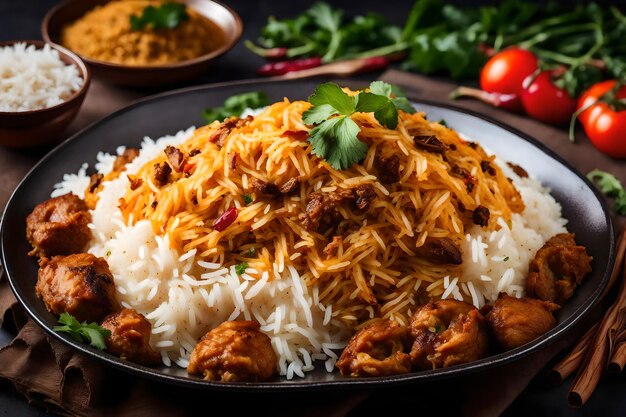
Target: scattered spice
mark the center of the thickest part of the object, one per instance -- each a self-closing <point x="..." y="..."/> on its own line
<point x="429" y="143"/>
<point x="481" y="216"/>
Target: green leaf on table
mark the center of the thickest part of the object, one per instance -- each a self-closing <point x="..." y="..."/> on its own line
<point x="84" y="332"/>
<point x="166" y="16"/>
<point x="610" y="186"/>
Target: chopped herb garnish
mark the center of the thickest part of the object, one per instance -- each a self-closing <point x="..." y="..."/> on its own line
<point x="506" y="258"/>
<point x="247" y="199"/>
<point x="442" y="122"/>
<point x="166" y="16"/>
<point x="334" y="136"/>
<point x="235" y="105"/>
<point x="108" y="253"/>
<point x="612" y="187"/>
<point x="438" y="328"/>
<point x="251" y="252"/>
<point x="84" y="332"/>
<point x="241" y="268"/>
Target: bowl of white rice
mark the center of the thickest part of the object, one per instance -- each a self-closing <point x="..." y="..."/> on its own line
<point x="42" y="87"/>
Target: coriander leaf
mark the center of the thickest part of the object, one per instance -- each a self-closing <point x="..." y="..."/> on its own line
<point x="332" y="94"/>
<point x="402" y="103"/>
<point x="247" y="199"/>
<point x="166" y="16"/>
<point x="388" y="115"/>
<point x="96" y="335"/>
<point x="90" y="333"/>
<point x="381" y="88"/>
<point x="251" y="252"/>
<point x="235" y="105"/>
<point x="241" y="268"/>
<point x="370" y="102"/>
<point x="318" y="114"/>
<point x="612" y="187"/>
<point x="336" y="141"/>
<point x="387" y="90"/>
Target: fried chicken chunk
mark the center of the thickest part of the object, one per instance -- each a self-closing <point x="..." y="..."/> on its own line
<point x="130" y="337"/>
<point x="517" y="321"/>
<point x="79" y="284"/>
<point x="378" y="349"/>
<point x="234" y="351"/>
<point x="557" y="269"/>
<point x="58" y="226"/>
<point x="446" y="333"/>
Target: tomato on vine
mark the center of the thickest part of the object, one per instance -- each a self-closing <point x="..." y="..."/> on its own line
<point x="505" y="72"/>
<point x="602" y="113"/>
<point x="545" y="101"/>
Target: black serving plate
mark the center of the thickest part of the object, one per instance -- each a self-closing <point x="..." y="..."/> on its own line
<point x="170" y="112"/>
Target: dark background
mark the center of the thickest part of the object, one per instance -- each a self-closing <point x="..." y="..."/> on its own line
<point x="20" y="19"/>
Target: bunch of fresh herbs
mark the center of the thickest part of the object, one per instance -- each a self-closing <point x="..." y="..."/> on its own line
<point x="441" y="38"/>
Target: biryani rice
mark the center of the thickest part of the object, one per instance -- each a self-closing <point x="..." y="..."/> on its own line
<point x="181" y="274"/>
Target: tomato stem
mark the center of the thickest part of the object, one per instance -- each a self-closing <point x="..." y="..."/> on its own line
<point x="572" y="123"/>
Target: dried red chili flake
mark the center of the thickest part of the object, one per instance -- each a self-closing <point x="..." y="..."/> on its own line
<point x="226" y="219"/>
<point x="296" y="134"/>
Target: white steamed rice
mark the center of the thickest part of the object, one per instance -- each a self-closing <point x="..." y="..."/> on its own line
<point x="33" y="79"/>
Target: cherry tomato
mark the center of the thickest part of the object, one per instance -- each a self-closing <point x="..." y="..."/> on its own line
<point x="505" y="72"/>
<point x="604" y="125"/>
<point x="545" y="101"/>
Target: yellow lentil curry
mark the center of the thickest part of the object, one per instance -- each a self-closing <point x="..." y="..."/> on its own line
<point x="105" y="34"/>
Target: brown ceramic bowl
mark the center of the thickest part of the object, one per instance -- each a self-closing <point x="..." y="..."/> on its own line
<point x="43" y="127"/>
<point x="147" y="75"/>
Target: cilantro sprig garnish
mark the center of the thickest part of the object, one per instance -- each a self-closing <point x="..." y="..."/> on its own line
<point x="334" y="136"/>
<point x="240" y="269"/>
<point x="166" y="16"/>
<point x="84" y="332"/>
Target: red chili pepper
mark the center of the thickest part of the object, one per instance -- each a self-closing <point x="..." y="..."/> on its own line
<point x="283" y="67"/>
<point x="374" y="63"/>
<point x="226" y="219"/>
<point x="506" y="101"/>
<point x="188" y="168"/>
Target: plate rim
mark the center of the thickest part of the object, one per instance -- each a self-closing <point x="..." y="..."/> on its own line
<point x="296" y="385"/>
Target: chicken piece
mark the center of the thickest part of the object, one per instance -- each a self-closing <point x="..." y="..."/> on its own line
<point x="130" y="337"/>
<point x="557" y="269"/>
<point x="517" y="321"/>
<point x="58" y="226"/>
<point x="234" y="351"/>
<point x="79" y="284"/>
<point x="446" y="333"/>
<point x="440" y="251"/>
<point x="377" y="350"/>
